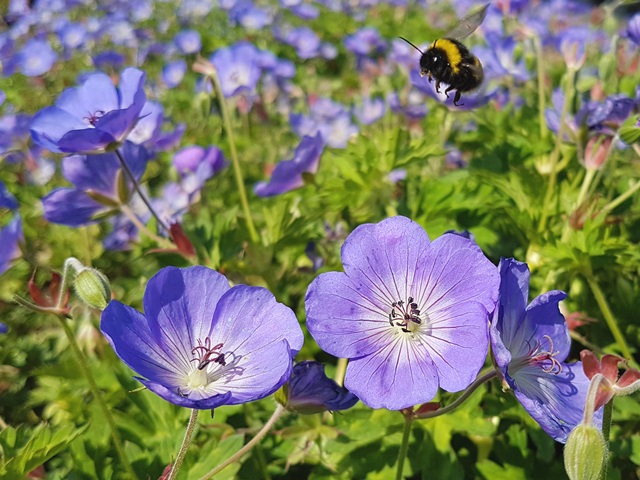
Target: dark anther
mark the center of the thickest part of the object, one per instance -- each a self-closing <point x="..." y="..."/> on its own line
<point x="205" y="354"/>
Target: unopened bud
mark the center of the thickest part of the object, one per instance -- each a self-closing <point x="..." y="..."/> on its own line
<point x="585" y="453"/>
<point x="93" y="288"/>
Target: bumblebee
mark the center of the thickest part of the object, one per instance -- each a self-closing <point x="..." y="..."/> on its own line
<point x="448" y="61"/>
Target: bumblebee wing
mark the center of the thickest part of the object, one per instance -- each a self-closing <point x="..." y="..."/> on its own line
<point x="468" y="24"/>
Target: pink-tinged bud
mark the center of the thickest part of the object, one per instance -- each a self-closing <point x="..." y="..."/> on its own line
<point x="609" y="385"/>
<point x="48" y="296"/>
<point x="597" y="151"/>
<point x="185" y="247"/>
<point x="425" y="408"/>
<point x="607" y="366"/>
<point x="585" y="453"/>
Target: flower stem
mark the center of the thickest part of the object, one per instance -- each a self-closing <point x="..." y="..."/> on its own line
<point x="234" y="156"/>
<point x="82" y="361"/>
<point x="555" y="155"/>
<point x="240" y="453"/>
<point x="606" y="431"/>
<point x="608" y="316"/>
<point x="138" y="190"/>
<point x="186" y="441"/>
<point x="621" y="198"/>
<point x="465" y="395"/>
<point x="127" y="212"/>
<point x="404" y="446"/>
<point x="541" y="99"/>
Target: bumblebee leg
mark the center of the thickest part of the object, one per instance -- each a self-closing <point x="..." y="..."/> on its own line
<point x="456" y="99"/>
<point x="449" y="89"/>
<point x="438" y="87"/>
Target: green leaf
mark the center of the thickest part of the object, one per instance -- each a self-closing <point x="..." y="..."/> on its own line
<point x="24" y="449"/>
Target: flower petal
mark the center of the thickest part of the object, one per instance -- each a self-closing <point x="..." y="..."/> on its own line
<point x="555" y="400"/>
<point x="398" y="376"/>
<point x="50" y="124"/>
<point x="128" y="332"/>
<point x="454" y="270"/>
<point x="381" y="259"/>
<point x="179" y="305"/>
<point x="342" y="320"/>
<point x="68" y="206"/>
<point x="96" y="95"/>
<point x="457" y="342"/>
<point x="543" y="319"/>
<point x="170" y="396"/>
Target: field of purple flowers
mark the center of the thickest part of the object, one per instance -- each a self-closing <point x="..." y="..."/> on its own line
<point x="252" y="239"/>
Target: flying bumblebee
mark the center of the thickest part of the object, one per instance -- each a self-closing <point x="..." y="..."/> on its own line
<point x="449" y="61"/>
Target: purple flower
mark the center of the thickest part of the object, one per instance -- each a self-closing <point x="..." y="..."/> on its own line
<point x="330" y="118"/>
<point x="305" y="41"/>
<point x="608" y="116"/>
<point x="238" y="68"/>
<point x="633" y="29"/>
<point x="149" y="129"/>
<point x="370" y="111"/>
<point x="96" y="186"/>
<point x="288" y="174"/>
<point x="72" y="35"/>
<point x="109" y="59"/>
<point x="410" y="314"/>
<point x="530" y="344"/>
<point x="10" y="238"/>
<point x="7" y="200"/>
<point x="498" y="58"/>
<point x="364" y="42"/>
<point x="92" y="117"/>
<point x="173" y="72"/>
<point x="36" y="57"/>
<point x="4" y="328"/>
<point x="188" y="41"/>
<point x="202" y="344"/>
<point x="309" y="391"/>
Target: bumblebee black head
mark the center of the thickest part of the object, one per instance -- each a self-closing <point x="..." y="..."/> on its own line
<point x="434" y="62"/>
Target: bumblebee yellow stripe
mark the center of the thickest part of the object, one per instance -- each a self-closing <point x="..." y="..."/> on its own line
<point x="451" y="50"/>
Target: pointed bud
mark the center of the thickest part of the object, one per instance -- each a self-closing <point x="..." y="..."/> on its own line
<point x="121" y="187"/>
<point x="185" y="247"/>
<point x="585" y="453"/>
<point x="597" y="151"/>
<point x="93" y="288"/>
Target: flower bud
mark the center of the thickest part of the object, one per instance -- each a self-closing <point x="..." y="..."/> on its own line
<point x="310" y="391"/>
<point x="93" y="288"/>
<point x="585" y="453"/>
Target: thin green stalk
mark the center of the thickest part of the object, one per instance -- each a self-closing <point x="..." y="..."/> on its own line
<point x="82" y="361"/>
<point x="555" y="155"/>
<point x="606" y="432"/>
<point x="620" y="198"/>
<point x="139" y="191"/>
<point x="234" y="157"/>
<point x="586" y="183"/>
<point x="254" y="441"/>
<point x="541" y="97"/>
<point x="404" y="446"/>
<point x="186" y="441"/>
<point x="465" y="395"/>
<point x="608" y="315"/>
<point x="127" y="212"/>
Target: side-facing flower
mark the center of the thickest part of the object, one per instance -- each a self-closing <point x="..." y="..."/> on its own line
<point x="410" y="314"/>
<point x="530" y="344"/>
<point x="288" y="174"/>
<point x="309" y="391"/>
<point x="98" y="182"/>
<point x="92" y="117"/>
<point x="202" y="344"/>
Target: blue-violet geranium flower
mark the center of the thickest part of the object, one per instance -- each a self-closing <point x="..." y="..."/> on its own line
<point x="202" y="344"/>
<point x="92" y="117"/>
<point x="530" y="344"/>
<point x="410" y="314"/>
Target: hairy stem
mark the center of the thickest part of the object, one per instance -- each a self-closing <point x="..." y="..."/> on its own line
<point x="404" y="446"/>
<point x="186" y="441"/>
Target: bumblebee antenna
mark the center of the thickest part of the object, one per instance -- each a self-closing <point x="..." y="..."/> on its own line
<point x="412" y="45"/>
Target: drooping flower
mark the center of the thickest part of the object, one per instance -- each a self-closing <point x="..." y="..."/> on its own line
<point x="96" y="181"/>
<point x="410" y="314"/>
<point x="288" y="174"/>
<point x="92" y="117"/>
<point x="309" y="390"/>
<point x="202" y="344"/>
<point x="530" y="345"/>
